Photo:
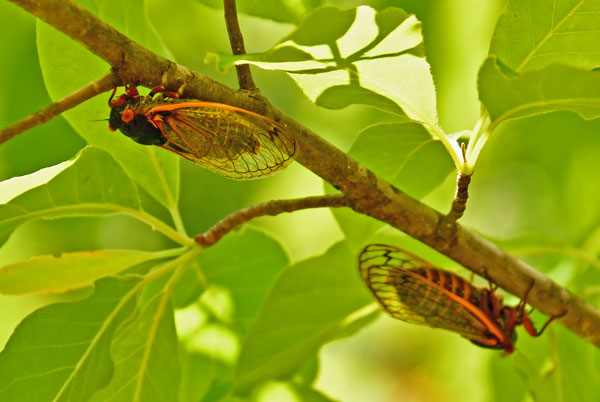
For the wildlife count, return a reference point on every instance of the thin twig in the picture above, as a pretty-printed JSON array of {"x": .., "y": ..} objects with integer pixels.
[
  {"x": 459, "y": 204},
  {"x": 271, "y": 208},
  {"x": 49, "y": 112},
  {"x": 368, "y": 194},
  {"x": 237, "y": 45}
]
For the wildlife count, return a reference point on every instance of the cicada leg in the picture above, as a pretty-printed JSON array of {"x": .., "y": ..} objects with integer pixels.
[
  {"x": 526, "y": 319},
  {"x": 130, "y": 93},
  {"x": 161, "y": 89},
  {"x": 495, "y": 302}
]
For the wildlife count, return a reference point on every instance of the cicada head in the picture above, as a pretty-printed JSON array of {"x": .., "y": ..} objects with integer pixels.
[{"x": 132, "y": 122}]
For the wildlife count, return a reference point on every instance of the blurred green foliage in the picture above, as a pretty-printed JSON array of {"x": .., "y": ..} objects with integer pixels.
[{"x": 253, "y": 312}]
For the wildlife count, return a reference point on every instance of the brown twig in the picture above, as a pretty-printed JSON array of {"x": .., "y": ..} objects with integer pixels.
[
  {"x": 459, "y": 204},
  {"x": 237, "y": 45},
  {"x": 368, "y": 194},
  {"x": 271, "y": 208},
  {"x": 49, "y": 112}
]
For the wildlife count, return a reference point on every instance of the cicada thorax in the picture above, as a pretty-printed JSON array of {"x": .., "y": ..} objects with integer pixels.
[
  {"x": 231, "y": 141},
  {"x": 413, "y": 290}
]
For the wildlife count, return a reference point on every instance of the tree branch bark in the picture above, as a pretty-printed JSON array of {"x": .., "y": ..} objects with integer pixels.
[
  {"x": 271, "y": 208},
  {"x": 459, "y": 204},
  {"x": 367, "y": 193},
  {"x": 104, "y": 84}
]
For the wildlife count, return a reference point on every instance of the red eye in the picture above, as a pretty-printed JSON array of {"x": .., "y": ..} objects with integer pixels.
[{"x": 127, "y": 115}]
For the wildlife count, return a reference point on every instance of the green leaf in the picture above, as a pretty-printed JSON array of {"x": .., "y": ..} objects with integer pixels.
[
  {"x": 156, "y": 170},
  {"x": 533, "y": 34},
  {"x": 375, "y": 58},
  {"x": 324, "y": 26},
  {"x": 540, "y": 180},
  {"x": 309, "y": 394},
  {"x": 60, "y": 352},
  {"x": 90, "y": 183},
  {"x": 544, "y": 251},
  {"x": 507, "y": 383},
  {"x": 146, "y": 357},
  {"x": 246, "y": 263},
  {"x": 189, "y": 288},
  {"x": 559, "y": 366},
  {"x": 197, "y": 373},
  {"x": 405, "y": 155},
  {"x": 577, "y": 361},
  {"x": 310, "y": 304},
  {"x": 555, "y": 87},
  {"x": 276, "y": 10},
  {"x": 58, "y": 273},
  {"x": 357, "y": 228}
]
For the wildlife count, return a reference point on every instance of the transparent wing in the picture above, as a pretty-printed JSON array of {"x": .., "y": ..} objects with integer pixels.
[
  {"x": 393, "y": 277},
  {"x": 230, "y": 141}
]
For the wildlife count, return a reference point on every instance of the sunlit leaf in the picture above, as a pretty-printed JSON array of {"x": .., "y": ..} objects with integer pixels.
[
  {"x": 60, "y": 352},
  {"x": 57, "y": 273},
  {"x": 146, "y": 357},
  {"x": 555, "y": 87},
  {"x": 276, "y": 10},
  {"x": 533, "y": 34},
  {"x": 405, "y": 155},
  {"x": 357, "y": 56},
  {"x": 91, "y": 183},
  {"x": 308, "y": 394}
]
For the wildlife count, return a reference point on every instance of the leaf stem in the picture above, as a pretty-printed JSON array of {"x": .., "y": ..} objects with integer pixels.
[
  {"x": 143, "y": 216},
  {"x": 162, "y": 308},
  {"x": 477, "y": 141},
  {"x": 451, "y": 146},
  {"x": 177, "y": 221},
  {"x": 160, "y": 226}
]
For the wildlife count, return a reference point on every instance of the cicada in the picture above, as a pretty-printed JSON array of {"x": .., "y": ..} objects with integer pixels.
[
  {"x": 233, "y": 142},
  {"x": 413, "y": 290}
]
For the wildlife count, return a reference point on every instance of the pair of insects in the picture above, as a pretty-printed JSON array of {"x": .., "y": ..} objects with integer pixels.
[
  {"x": 413, "y": 290},
  {"x": 240, "y": 144},
  {"x": 233, "y": 142}
]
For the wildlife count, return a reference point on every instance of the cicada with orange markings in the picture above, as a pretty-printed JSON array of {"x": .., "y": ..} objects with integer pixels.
[
  {"x": 413, "y": 290},
  {"x": 233, "y": 142}
]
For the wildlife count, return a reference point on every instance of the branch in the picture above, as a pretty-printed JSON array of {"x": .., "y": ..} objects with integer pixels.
[
  {"x": 237, "y": 45},
  {"x": 95, "y": 88},
  {"x": 271, "y": 208},
  {"x": 368, "y": 194}
]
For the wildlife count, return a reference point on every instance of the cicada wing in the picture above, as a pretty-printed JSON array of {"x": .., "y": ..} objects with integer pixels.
[
  {"x": 235, "y": 143},
  {"x": 392, "y": 276}
]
